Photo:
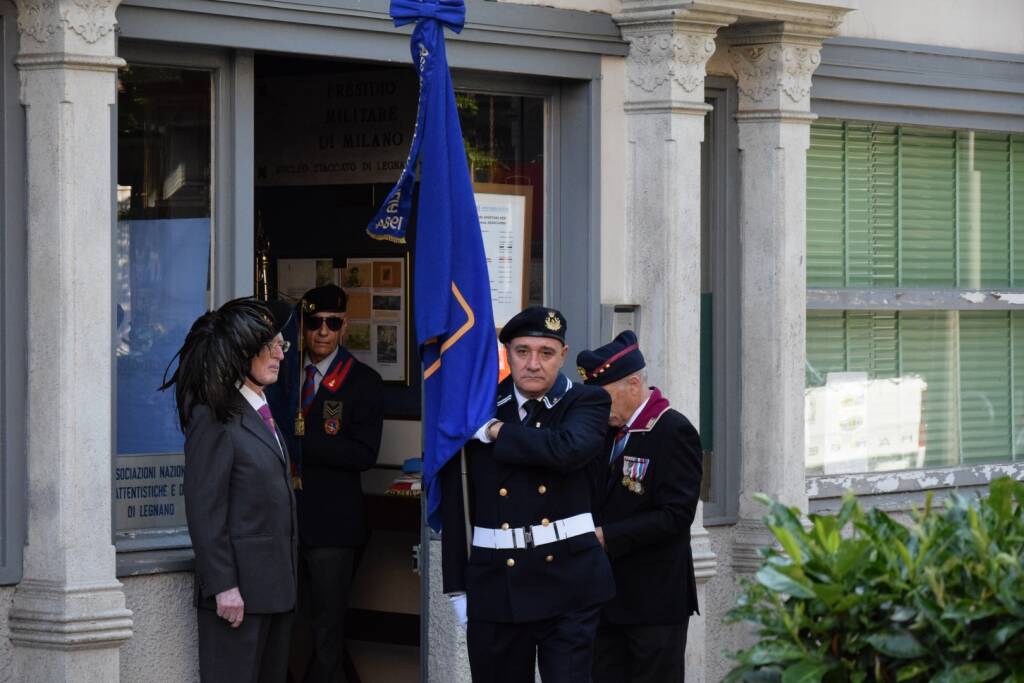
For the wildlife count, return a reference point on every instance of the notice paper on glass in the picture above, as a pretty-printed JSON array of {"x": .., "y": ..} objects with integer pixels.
[{"x": 504, "y": 212}]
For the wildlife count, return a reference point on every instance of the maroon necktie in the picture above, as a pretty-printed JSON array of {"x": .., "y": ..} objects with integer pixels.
[
  {"x": 619, "y": 444},
  {"x": 268, "y": 419}
]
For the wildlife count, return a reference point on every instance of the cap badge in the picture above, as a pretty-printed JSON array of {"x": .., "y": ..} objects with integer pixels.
[
  {"x": 583, "y": 373},
  {"x": 308, "y": 306},
  {"x": 552, "y": 322}
]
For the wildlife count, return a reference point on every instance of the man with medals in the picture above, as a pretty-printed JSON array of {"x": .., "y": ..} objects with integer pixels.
[
  {"x": 648, "y": 483},
  {"x": 331, "y": 409},
  {"x": 534, "y": 576}
]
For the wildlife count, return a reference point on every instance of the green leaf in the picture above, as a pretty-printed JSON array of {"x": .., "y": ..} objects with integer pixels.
[
  {"x": 899, "y": 644},
  {"x": 763, "y": 676},
  {"x": 1005, "y": 632},
  {"x": 789, "y": 543},
  {"x": 805, "y": 672},
  {"x": 772, "y": 578},
  {"x": 771, "y": 652},
  {"x": 912, "y": 671},
  {"x": 975, "y": 672}
]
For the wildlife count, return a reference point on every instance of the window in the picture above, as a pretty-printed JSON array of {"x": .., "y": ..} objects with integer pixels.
[
  {"x": 915, "y": 274},
  {"x": 161, "y": 280}
]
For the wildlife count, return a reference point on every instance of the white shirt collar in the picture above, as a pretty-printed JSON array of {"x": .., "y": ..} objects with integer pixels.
[
  {"x": 255, "y": 400},
  {"x": 324, "y": 363}
]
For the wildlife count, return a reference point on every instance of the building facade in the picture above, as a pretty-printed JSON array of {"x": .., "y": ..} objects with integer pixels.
[{"x": 810, "y": 212}]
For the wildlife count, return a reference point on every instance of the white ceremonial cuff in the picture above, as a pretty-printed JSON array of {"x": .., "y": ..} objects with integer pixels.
[{"x": 481, "y": 434}]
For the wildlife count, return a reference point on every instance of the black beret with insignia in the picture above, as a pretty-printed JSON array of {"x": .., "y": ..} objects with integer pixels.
[
  {"x": 619, "y": 358},
  {"x": 535, "y": 321},
  {"x": 324, "y": 299}
]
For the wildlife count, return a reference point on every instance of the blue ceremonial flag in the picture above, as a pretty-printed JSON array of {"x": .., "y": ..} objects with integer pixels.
[{"x": 452, "y": 293}]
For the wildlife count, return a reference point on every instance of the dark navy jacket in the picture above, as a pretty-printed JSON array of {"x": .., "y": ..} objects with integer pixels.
[
  {"x": 532, "y": 472},
  {"x": 332, "y": 456},
  {"x": 647, "y": 528}
]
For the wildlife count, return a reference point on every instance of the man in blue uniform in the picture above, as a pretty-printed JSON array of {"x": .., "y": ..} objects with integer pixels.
[
  {"x": 332, "y": 415},
  {"x": 649, "y": 483},
  {"x": 534, "y": 578}
]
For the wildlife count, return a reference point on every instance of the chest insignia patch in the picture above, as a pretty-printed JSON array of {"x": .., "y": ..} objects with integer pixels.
[
  {"x": 332, "y": 409},
  {"x": 332, "y": 425}
]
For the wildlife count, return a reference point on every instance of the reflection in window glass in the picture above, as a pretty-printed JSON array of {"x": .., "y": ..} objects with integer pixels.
[
  {"x": 504, "y": 137},
  {"x": 163, "y": 242},
  {"x": 927, "y": 209}
]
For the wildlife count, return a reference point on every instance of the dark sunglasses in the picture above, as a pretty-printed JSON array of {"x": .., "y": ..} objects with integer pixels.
[{"x": 313, "y": 323}]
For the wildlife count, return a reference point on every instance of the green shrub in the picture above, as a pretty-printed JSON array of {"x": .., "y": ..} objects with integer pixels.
[{"x": 940, "y": 600}]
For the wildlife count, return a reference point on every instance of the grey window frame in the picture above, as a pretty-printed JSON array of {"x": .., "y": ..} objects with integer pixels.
[
  {"x": 13, "y": 311},
  {"x": 920, "y": 85},
  {"x": 720, "y": 226},
  {"x": 146, "y": 551},
  {"x": 557, "y": 54}
]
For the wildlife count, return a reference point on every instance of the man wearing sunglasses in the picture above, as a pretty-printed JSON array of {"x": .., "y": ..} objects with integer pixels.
[{"x": 332, "y": 412}]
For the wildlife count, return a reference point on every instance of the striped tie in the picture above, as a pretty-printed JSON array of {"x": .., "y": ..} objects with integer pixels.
[
  {"x": 308, "y": 388},
  {"x": 620, "y": 443}
]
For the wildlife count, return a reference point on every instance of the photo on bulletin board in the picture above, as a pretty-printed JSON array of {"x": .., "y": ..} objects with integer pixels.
[
  {"x": 378, "y": 314},
  {"x": 505, "y": 213},
  {"x": 296, "y": 276}
]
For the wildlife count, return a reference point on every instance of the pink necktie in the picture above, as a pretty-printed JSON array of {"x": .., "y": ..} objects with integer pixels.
[{"x": 268, "y": 419}]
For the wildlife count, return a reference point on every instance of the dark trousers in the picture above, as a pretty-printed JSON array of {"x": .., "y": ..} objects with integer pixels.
[
  {"x": 562, "y": 646},
  {"x": 255, "y": 652},
  {"x": 639, "y": 653},
  {"x": 325, "y": 576}
]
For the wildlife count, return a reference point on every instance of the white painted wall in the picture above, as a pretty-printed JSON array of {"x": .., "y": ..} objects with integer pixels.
[
  {"x": 613, "y": 186},
  {"x": 993, "y": 25}
]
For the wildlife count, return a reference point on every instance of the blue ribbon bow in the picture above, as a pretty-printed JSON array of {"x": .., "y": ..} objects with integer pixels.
[{"x": 451, "y": 13}]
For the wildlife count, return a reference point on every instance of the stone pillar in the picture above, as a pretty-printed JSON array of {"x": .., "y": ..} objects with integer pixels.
[
  {"x": 665, "y": 111},
  {"x": 68, "y": 616},
  {"x": 773, "y": 65}
]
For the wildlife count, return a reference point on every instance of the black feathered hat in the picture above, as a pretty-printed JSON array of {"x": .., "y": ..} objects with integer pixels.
[{"x": 216, "y": 356}]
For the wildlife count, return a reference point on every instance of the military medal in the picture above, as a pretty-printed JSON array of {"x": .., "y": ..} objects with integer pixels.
[{"x": 633, "y": 470}]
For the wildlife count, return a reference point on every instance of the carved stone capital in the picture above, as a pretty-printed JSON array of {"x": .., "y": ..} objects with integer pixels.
[
  {"x": 668, "y": 52},
  {"x": 774, "y": 76},
  {"x": 81, "y": 26}
]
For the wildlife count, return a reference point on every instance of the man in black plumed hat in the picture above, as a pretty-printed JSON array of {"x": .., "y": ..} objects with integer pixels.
[
  {"x": 238, "y": 497},
  {"x": 648, "y": 481},
  {"x": 330, "y": 406},
  {"x": 534, "y": 578}
]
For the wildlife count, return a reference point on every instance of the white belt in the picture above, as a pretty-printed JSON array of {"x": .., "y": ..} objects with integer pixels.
[{"x": 536, "y": 534}]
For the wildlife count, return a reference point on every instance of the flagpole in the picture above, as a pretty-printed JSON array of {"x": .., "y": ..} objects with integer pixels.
[{"x": 465, "y": 501}]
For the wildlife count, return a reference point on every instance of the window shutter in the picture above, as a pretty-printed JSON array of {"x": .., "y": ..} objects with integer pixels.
[
  {"x": 825, "y": 206},
  {"x": 984, "y": 386},
  {"x": 983, "y": 179},
  {"x": 927, "y": 187}
]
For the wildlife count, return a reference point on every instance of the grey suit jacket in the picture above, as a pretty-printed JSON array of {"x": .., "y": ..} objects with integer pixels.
[{"x": 241, "y": 511}]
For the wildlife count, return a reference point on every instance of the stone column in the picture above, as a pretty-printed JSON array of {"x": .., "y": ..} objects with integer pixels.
[
  {"x": 68, "y": 616},
  {"x": 665, "y": 111},
  {"x": 773, "y": 65}
]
